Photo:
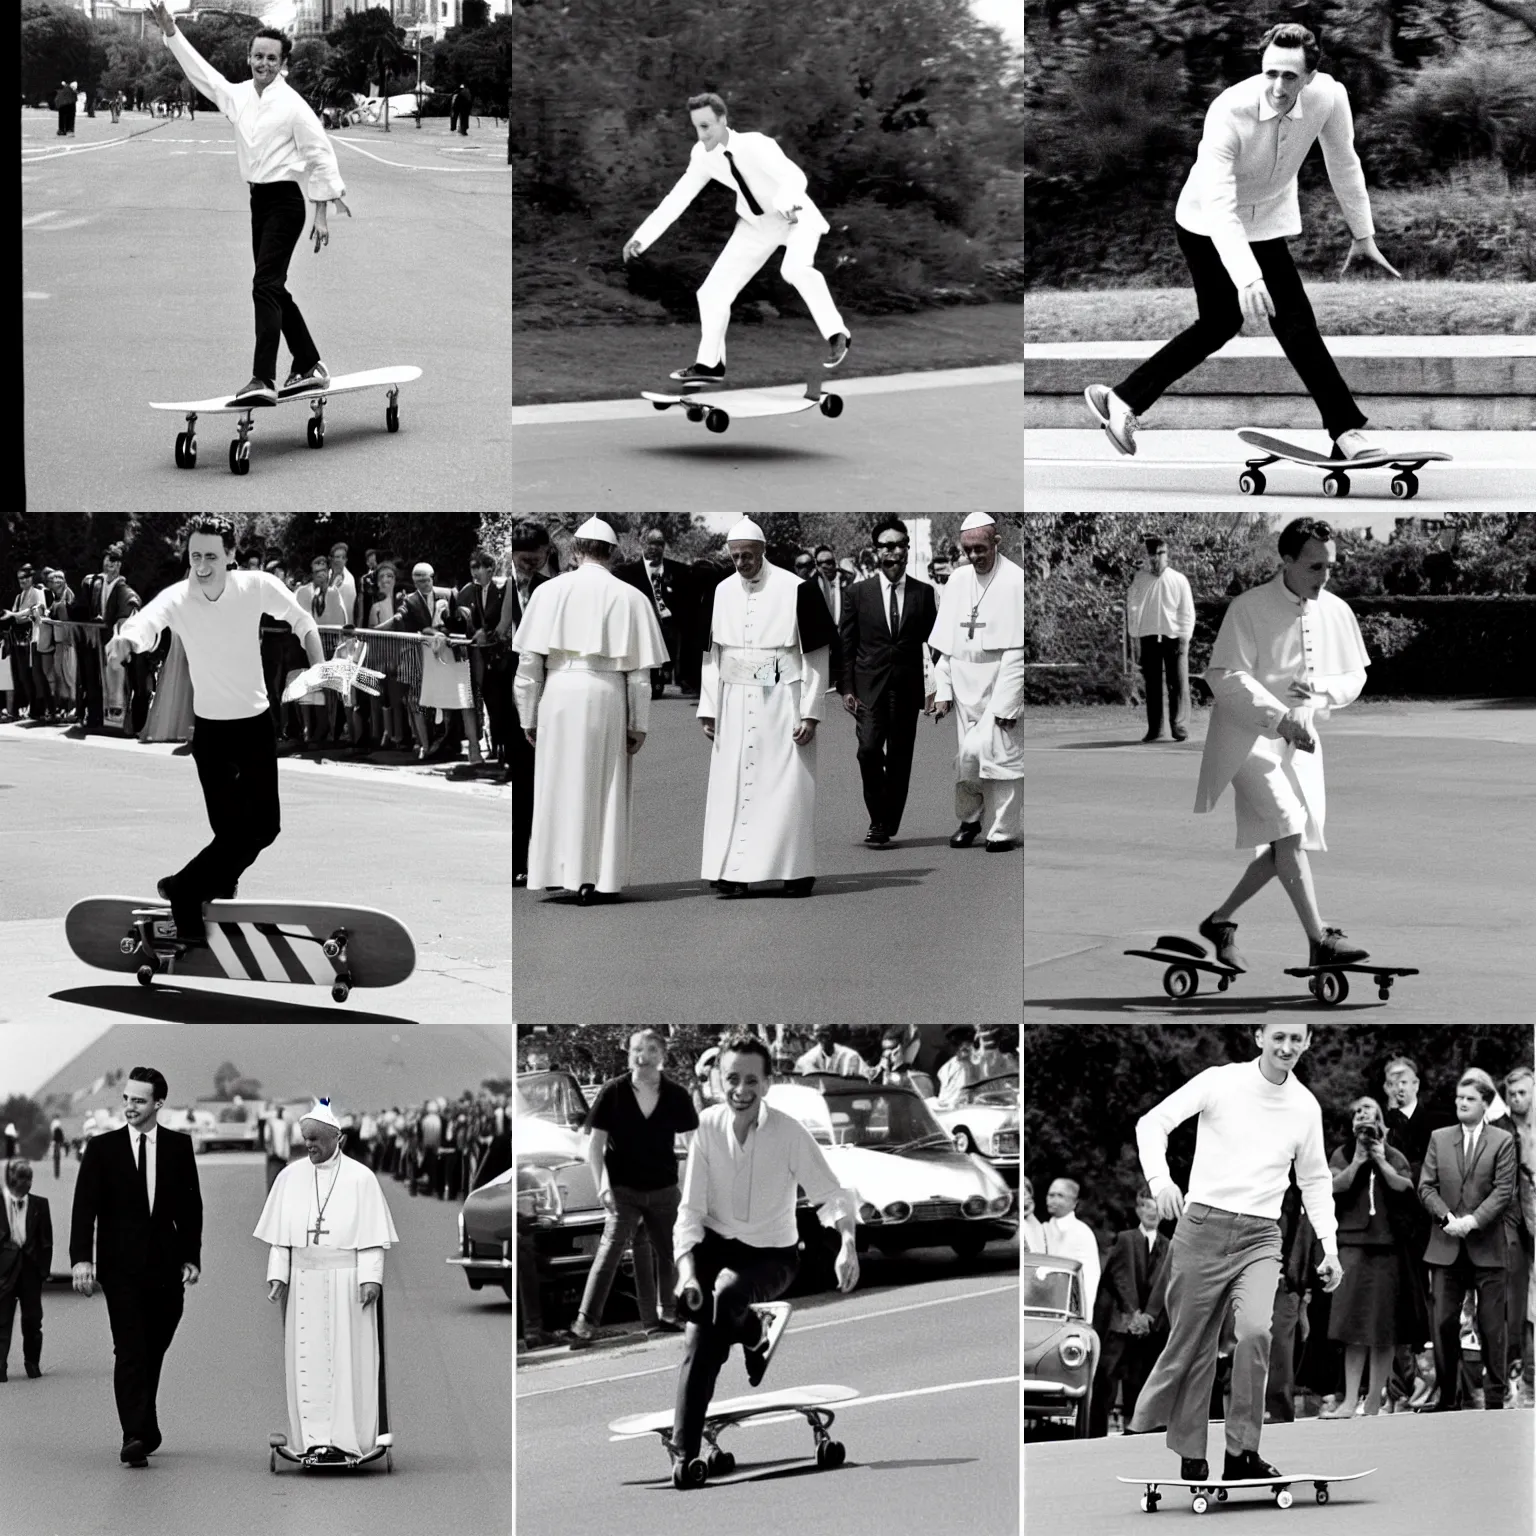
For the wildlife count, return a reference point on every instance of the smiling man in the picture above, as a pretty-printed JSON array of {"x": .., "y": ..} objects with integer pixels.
[
  {"x": 1256, "y": 1122},
  {"x": 1238, "y": 208},
  {"x": 1287, "y": 653}
]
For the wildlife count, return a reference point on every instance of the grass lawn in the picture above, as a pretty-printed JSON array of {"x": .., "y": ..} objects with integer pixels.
[
  {"x": 604, "y": 362},
  {"x": 1367, "y": 308}
]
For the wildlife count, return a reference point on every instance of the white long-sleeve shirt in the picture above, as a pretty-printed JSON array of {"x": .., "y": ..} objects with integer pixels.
[
  {"x": 222, "y": 638},
  {"x": 1160, "y": 605},
  {"x": 1251, "y": 1131},
  {"x": 277, "y": 135},
  {"x": 1073, "y": 1238}
]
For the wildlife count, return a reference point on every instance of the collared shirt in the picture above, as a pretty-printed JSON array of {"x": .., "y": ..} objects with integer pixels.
[
  {"x": 151, "y": 1156},
  {"x": 17, "y": 1210},
  {"x": 841, "y": 1059},
  {"x": 886, "y": 586},
  {"x": 1469, "y": 1135},
  {"x": 1160, "y": 605},
  {"x": 746, "y": 1190}
]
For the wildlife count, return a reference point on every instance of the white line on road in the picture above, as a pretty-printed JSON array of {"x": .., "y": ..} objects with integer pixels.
[
  {"x": 455, "y": 170},
  {"x": 1065, "y": 955}
]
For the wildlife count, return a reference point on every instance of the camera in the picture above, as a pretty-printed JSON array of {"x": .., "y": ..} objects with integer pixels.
[{"x": 1370, "y": 1132}]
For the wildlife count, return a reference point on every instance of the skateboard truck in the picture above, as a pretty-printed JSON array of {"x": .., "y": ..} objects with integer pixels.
[{"x": 153, "y": 937}]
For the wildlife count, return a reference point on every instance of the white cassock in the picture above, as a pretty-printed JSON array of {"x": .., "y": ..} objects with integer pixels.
[
  {"x": 758, "y": 683},
  {"x": 979, "y": 635},
  {"x": 330, "y": 1339},
  {"x": 1270, "y": 638},
  {"x": 586, "y": 647}
]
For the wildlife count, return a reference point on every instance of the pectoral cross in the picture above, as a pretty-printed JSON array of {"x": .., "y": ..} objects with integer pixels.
[
  {"x": 972, "y": 624},
  {"x": 317, "y": 1229}
]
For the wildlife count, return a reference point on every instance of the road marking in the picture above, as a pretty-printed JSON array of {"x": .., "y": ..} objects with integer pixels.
[
  {"x": 456, "y": 170},
  {"x": 1065, "y": 955}
]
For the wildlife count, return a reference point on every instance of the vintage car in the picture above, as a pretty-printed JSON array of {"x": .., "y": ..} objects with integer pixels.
[
  {"x": 984, "y": 1118},
  {"x": 1061, "y": 1349},
  {"x": 915, "y": 1190},
  {"x": 485, "y": 1234},
  {"x": 221, "y": 1127}
]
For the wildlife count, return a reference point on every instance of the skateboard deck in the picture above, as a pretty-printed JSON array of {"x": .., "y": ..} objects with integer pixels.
[
  {"x": 1330, "y": 986},
  {"x": 809, "y": 1402},
  {"x": 303, "y": 943},
  {"x": 717, "y": 408},
  {"x": 1185, "y": 958},
  {"x": 1405, "y": 484},
  {"x": 1217, "y": 1487},
  {"x": 240, "y": 447}
]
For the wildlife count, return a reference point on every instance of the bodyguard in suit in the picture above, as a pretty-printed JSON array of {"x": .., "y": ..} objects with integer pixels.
[
  {"x": 530, "y": 551},
  {"x": 1467, "y": 1185},
  {"x": 106, "y": 599},
  {"x": 670, "y": 586},
  {"x": 1135, "y": 1329},
  {"x": 26, "y": 1256},
  {"x": 481, "y": 604},
  {"x": 884, "y": 674},
  {"x": 138, "y": 1195}
]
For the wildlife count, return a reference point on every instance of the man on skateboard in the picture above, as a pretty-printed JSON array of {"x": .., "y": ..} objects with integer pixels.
[
  {"x": 1256, "y": 1121},
  {"x": 1233, "y": 217},
  {"x": 735, "y": 1240},
  {"x": 217, "y": 614},
  {"x": 277, "y": 139},
  {"x": 773, "y": 208}
]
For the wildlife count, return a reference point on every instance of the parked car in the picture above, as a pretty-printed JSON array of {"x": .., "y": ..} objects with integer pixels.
[
  {"x": 220, "y": 1126},
  {"x": 485, "y": 1235},
  {"x": 915, "y": 1190},
  {"x": 1061, "y": 1349},
  {"x": 984, "y": 1118}
]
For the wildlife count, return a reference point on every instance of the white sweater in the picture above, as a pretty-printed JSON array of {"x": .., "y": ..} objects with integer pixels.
[
  {"x": 1250, "y": 1132},
  {"x": 222, "y": 639}
]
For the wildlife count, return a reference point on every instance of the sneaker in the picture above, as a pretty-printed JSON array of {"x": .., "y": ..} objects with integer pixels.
[
  {"x": 697, "y": 375},
  {"x": 1194, "y": 1469},
  {"x": 1246, "y": 1464},
  {"x": 1114, "y": 415},
  {"x": 1334, "y": 947},
  {"x": 1223, "y": 938},
  {"x": 774, "y": 1316},
  {"x": 837, "y": 349},
  {"x": 1353, "y": 445},
  {"x": 312, "y": 381},
  {"x": 257, "y": 392}
]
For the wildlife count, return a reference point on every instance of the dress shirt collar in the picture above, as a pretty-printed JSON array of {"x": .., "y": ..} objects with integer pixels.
[
  {"x": 887, "y": 583},
  {"x": 135, "y": 1131},
  {"x": 1266, "y": 111},
  {"x": 1289, "y": 596}
]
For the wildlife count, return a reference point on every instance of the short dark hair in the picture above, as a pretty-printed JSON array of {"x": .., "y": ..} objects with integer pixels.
[
  {"x": 156, "y": 1080},
  {"x": 886, "y": 525},
  {"x": 530, "y": 536},
  {"x": 222, "y": 528},
  {"x": 746, "y": 1045},
  {"x": 323, "y": 558},
  {"x": 815, "y": 553},
  {"x": 111, "y": 552},
  {"x": 1299, "y": 530},
  {"x": 282, "y": 37},
  {"x": 1291, "y": 34},
  {"x": 1155, "y": 543},
  {"x": 707, "y": 99},
  {"x": 341, "y": 546},
  {"x": 480, "y": 555}
]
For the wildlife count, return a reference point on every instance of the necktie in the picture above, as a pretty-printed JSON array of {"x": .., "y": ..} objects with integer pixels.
[
  {"x": 746, "y": 191},
  {"x": 895, "y": 620},
  {"x": 143, "y": 1171}
]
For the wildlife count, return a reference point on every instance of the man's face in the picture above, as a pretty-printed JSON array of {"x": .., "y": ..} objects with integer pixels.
[
  {"x": 1470, "y": 1108},
  {"x": 1308, "y": 573},
  {"x": 645, "y": 1054},
  {"x": 339, "y": 559},
  {"x": 708, "y": 129},
  {"x": 320, "y": 1141},
  {"x": 891, "y": 551},
  {"x": 1146, "y": 1213},
  {"x": 1282, "y": 1046},
  {"x": 826, "y": 565},
  {"x": 18, "y": 1174},
  {"x": 824, "y": 1036},
  {"x": 1059, "y": 1199},
  {"x": 1518, "y": 1096},
  {"x": 320, "y": 573},
  {"x": 1402, "y": 1086},
  {"x": 979, "y": 546},
  {"x": 205, "y": 551},
  {"x": 804, "y": 567},
  {"x": 746, "y": 555},
  {"x": 23, "y": 579},
  {"x": 139, "y": 1108},
  {"x": 480, "y": 573},
  {"x": 745, "y": 1080},
  {"x": 56, "y": 583},
  {"x": 1285, "y": 76},
  {"x": 530, "y": 561},
  {"x": 1157, "y": 563},
  {"x": 266, "y": 59},
  {"x": 655, "y": 546},
  {"x": 423, "y": 582}
]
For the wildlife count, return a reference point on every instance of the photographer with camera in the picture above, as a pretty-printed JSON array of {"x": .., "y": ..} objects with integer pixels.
[{"x": 1371, "y": 1313}]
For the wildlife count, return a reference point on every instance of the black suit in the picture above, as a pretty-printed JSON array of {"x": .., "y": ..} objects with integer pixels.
[
  {"x": 22, "y": 1273},
  {"x": 681, "y": 631},
  {"x": 492, "y": 668},
  {"x": 522, "y": 753},
  {"x": 885, "y": 673},
  {"x": 139, "y": 1256}
]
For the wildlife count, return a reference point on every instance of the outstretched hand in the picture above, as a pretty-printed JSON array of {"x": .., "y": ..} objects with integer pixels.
[
  {"x": 1367, "y": 248},
  {"x": 162, "y": 17}
]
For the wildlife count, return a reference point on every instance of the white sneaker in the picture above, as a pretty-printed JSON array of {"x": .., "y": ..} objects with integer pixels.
[
  {"x": 1353, "y": 444},
  {"x": 1114, "y": 415}
]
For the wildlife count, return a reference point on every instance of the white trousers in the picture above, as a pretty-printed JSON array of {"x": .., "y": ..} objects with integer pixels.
[
  {"x": 748, "y": 248},
  {"x": 998, "y": 804}
]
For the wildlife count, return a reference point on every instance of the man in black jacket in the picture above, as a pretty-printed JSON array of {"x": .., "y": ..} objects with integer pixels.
[
  {"x": 26, "y": 1256},
  {"x": 138, "y": 1194},
  {"x": 884, "y": 668},
  {"x": 670, "y": 588},
  {"x": 530, "y": 553}
]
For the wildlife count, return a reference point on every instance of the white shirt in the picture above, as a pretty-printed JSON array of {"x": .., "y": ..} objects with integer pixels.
[
  {"x": 151, "y": 1156},
  {"x": 1469, "y": 1135},
  {"x": 1160, "y": 605},
  {"x": 1074, "y": 1239},
  {"x": 747, "y": 1190},
  {"x": 885, "y": 599},
  {"x": 842, "y": 1059},
  {"x": 222, "y": 638},
  {"x": 17, "y": 1210},
  {"x": 1242, "y": 186},
  {"x": 277, "y": 136}
]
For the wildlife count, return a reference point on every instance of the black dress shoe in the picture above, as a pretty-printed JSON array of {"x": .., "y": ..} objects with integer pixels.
[
  {"x": 730, "y": 890},
  {"x": 1194, "y": 1469},
  {"x": 1439, "y": 1408},
  {"x": 586, "y": 894},
  {"x": 520, "y": 877},
  {"x": 877, "y": 835},
  {"x": 34, "y": 1372},
  {"x": 152, "y": 1443},
  {"x": 134, "y": 1452},
  {"x": 1151, "y": 738},
  {"x": 1002, "y": 845},
  {"x": 800, "y": 887},
  {"x": 966, "y": 834}
]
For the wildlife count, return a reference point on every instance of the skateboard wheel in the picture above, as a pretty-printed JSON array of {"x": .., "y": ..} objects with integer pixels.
[
  {"x": 689, "y": 1474},
  {"x": 717, "y": 420},
  {"x": 1221, "y": 1495},
  {"x": 831, "y": 405},
  {"x": 1223, "y": 983},
  {"x": 1322, "y": 1495},
  {"x": 389, "y": 1461},
  {"x": 146, "y": 974},
  {"x": 1283, "y": 1499},
  {"x": 186, "y": 451},
  {"x": 392, "y": 417},
  {"x": 1201, "y": 1504},
  {"x": 1252, "y": 482},
  {"x": 1180, "y": 981},
  {"x": 695, "y": 412},
  {"x": 658, "y": 405},
  {"x": 339, "y": 992},
  {"x": 1405, "y": 486},
  {"x": 239, "y": 458},
  {"x": 1335, "y": 485},
  {"x": 271, "y": 1461},
  {"x": 720, "y": 1462},
  {"x": 1148, "y": 1504},
  {"x": 316, "y": 433},
  {"x": 1332, "y": 988}
]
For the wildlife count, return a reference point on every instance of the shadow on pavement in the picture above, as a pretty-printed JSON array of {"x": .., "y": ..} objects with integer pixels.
[{"x": 176, "y": 1005}]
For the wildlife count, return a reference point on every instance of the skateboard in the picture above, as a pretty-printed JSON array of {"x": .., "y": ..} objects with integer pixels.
[
  {"x": 1184, "y": 958},
  {"x": 1330, "y": 986},
  {"x": 809, "y": 1402},
  {"x": 1217, "y": 1487},
  {"x": 240, "y": 447},
  {"x": 715, "y": 409},
  {"x": 306, "y": 943},
  {"x": 383, "y": 1441},
  {"x": 1405, "y": 484}
]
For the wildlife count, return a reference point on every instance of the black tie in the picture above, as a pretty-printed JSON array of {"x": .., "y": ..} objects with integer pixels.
[
  {"x": 746, "y": 191},
  {"x": 895, "y": 621},
  {"x": 143, "y": 1172}
]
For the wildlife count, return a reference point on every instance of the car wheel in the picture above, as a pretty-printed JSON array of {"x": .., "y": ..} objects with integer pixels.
[
  {"x": 971, "y": 1247},
  {"x": 963, "y": 1141}
]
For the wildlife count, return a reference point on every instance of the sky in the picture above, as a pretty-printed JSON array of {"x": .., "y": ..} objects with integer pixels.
[
  {"x": 31, "y": 1053},
  {"x": 1006, "y": 14}
]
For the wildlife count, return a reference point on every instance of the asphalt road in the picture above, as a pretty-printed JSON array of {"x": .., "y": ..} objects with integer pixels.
[
  {"x": 916, "y": 932},
  {"x": 222, "y": 1394},
  {"x": 136, "y": 251},
  {"x": 932, "y": 1441},
  {"x": 103, "y": 816}
]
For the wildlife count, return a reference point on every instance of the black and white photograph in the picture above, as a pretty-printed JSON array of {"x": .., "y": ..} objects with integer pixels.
[
  {"x": 1280, "y": 251},
  {"x": 256, "y": 770},
  {"x": 794, "y": 743},
  {"x": 289, "y": 224},
  {"x": 1240, "y": 1239},
  {"x": 256, "y": 1268}
]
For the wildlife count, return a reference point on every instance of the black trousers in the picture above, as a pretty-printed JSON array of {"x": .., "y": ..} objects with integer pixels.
[
  {"x": 237, "y": 766},
  {"x": 26, "y": 1287},
  {"x": 732, "y": 1276},
  {"x": 522, "y": 793},
  {"x": 277, "y": 222},
  {"x": 496, "y": 694},
  {"x": 1451, "y": 1284},
  {"x": 1221, "y": 318},
  {"x": 1165, "y": 666},
  {"x": 143, "y": 1316},
  {"x": 887, "y": 729}
]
